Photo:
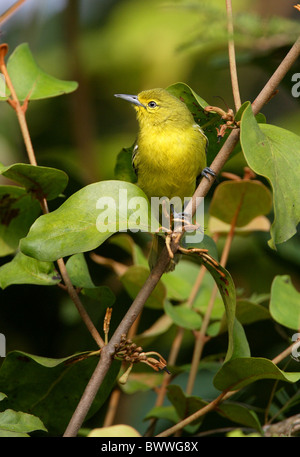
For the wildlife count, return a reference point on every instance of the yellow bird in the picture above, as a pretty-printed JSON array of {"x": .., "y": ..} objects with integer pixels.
[{"x": 170, "y": 151}]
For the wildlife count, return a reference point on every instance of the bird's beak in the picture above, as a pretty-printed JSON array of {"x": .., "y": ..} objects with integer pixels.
[{"x": 130, "y": 98}]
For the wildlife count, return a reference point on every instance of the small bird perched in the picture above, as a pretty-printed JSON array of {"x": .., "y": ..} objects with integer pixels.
[{"x": 170, "y": 151}]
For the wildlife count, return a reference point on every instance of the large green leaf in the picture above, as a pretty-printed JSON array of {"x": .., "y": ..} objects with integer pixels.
[
  {"x": 273, "y": 152},
  {"x": 248, "y": 199},
  {"x": 50, "y": 388},
  {"x": 240, "y": 372},
  {"x": 87, "y": 219},
  {"x": 18, "y": 210},
  {"x": 26, "y": 270},
  {"x": 29, "y": 81},
  {"x": 285, "y": 302},
  {"x": 42, "y": 182}
]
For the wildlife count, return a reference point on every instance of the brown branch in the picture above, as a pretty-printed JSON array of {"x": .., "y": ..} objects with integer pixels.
[
  {"x": 231, "y": 54},
  {"x": 12, "y": 9},
  {"x": 137, "y": 305}
]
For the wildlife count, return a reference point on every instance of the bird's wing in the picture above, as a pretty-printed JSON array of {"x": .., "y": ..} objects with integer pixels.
[{"x": 134, "y": 153}]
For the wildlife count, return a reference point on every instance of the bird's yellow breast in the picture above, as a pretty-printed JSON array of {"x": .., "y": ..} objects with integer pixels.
[{"x": 168, "y": 160}]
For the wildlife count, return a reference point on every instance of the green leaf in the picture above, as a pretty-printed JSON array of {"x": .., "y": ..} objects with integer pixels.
[
  {"x": 248, "y": 312},
  {"x": 249, "y": 198},
  {"x": 42, "y": 182},
  {"x": 180, "y": 281},
  {"x": 78, "y": 271},
  {"x": 285, "y": 302},
  {"x": 80, "y": 277},
  {"x": 29, "y": 81},
  {"x": 240, "y": 414},
  {"x": 273, "y": 152},
  {"x": 51, "y": 388},
  {"x": 240, "y": 343},
  {"x": 227, "y": 290},
  {"x": 185, "y": 405},
  {"x": 14, "y": 423},
  {"x": 18, "y": 210},
  {"x": 126, "y": 243},
  {"x": 26, "y": 270},
  {"x": 124, "y": 170},
  {"x": 163, "y": 412},
  {"x": 183, "y": 316},
  {"x": 207, "y": 121},
  {"x": 133, "y": 280},
  {"x": 84, "y": 221},
  {"x": 240, "y": 372}
]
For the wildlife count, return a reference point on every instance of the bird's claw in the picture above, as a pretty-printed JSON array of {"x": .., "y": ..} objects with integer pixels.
[{"x": 208, "y": 171}]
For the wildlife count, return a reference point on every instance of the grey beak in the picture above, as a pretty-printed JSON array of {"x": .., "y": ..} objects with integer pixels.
[{"x": 130, "y": 98}]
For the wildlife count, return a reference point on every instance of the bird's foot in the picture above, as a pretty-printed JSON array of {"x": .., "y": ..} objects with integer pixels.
[
  {"x": 185, "y": 222},
  {"x": 208, "y": 171}
]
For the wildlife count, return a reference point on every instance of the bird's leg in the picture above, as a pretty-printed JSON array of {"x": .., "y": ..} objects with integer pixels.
[{"x": 183, "y": 221}]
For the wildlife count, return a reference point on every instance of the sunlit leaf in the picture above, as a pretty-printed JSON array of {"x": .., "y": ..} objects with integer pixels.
[
  {"x": 86, "y": 219},
  {"x": 285, "y": 302},
  {"x": 273, "y": 152},
  {"x": 247, "y": 199},
  {"x": 29, "y": 81},
  {"x": 26, "y": 270}
]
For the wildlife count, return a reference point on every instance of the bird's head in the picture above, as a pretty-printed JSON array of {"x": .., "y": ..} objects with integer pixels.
[{"x": 157, "y": 106}]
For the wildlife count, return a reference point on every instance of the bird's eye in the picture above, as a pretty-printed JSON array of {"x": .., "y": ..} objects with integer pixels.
[{"x": 152, "y": 104}]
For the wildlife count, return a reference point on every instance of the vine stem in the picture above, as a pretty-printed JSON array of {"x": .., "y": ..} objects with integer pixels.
[{"x": 20, "y": 112}]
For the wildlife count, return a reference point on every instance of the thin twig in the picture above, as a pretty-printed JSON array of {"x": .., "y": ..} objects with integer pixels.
[
  {"x": 12, "y": 9},
  {"x": 137, "y": 305},
  {"x": 209, "y": 407},
  {"x": 232, "y": 61}
]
